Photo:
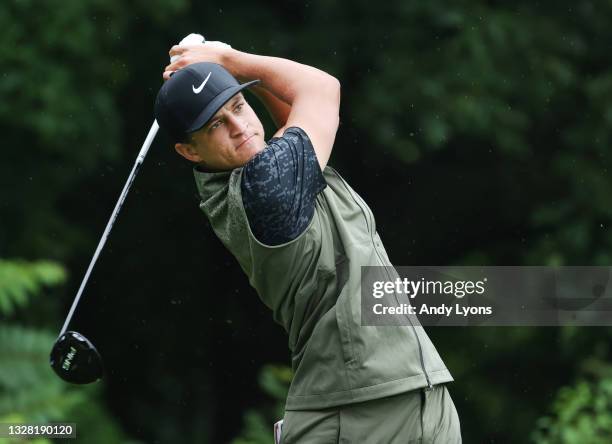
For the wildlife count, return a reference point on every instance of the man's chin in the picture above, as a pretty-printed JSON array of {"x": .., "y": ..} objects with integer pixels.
[
  {"x": 246, "y": 155},
  {"x": 251, "y": 149}
]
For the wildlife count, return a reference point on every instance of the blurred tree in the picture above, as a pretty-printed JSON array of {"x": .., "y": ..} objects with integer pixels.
[
  {"x": 581, "y": 413},
  {"x": 19, "y": 280},
  {"x": 489, "y": 122},
  {"x": 63, "y": 65},
  {"x": 29, "y": 389},
  {"x": 258, "y": 424}
]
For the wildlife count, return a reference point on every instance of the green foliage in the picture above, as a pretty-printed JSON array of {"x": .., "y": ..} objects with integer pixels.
[
  {"x": 19, "y": 419},
  {"x": 274, "y": 381},
  {"x": 514, "y": 97},
  {"x": 60, "y": 118},
  {"x": 258, "y": 426},
  {"x": 581, "y": 413},
  {"x": 20, "y": 279},
  {"x": 29, "y": 390},
  {"x": 63, "y": 66},
  {"x": 26, "y": 380}
]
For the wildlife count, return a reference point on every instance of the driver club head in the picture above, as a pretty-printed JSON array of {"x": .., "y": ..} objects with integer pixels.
[{"x": 75, "y": 359}]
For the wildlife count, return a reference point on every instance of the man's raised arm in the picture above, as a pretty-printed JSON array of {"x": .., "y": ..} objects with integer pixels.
[{"x": 314, "y": 96}]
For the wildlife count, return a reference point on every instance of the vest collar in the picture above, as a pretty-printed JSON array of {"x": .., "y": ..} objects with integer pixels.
[{"x": 209, "y": 183}]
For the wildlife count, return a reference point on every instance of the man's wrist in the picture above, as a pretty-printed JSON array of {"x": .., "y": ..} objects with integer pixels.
[
  {"x": 235, "y": 62},
  {"x": 226, "y": 58}
]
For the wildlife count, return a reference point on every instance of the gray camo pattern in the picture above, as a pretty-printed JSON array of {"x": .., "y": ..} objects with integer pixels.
[{"x": 279, "y": 188}]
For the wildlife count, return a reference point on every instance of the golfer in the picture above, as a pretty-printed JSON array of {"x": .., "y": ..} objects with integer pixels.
[{"x": 301, "y": 234}]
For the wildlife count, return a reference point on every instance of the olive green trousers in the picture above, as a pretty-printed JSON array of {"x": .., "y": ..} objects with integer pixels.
[{"x": 420, "y": 416}]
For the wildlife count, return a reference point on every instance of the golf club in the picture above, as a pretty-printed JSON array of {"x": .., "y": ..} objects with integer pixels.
[{"x": 73, "y": 357}]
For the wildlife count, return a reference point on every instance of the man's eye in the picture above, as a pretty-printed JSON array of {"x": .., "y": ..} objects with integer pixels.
[
  {"x": 239, "y": 107},
  {"x": 215, "y": 125}
]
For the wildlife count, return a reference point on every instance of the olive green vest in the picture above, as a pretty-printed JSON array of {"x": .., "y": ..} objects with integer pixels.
[{"x": 312, "y": 286}]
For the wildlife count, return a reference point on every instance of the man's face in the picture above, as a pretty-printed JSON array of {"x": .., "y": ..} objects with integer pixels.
[{"x": 229, "y": 139}]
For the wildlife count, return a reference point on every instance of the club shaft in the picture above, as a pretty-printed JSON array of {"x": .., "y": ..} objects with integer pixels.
[{"x": 109, "y": 226}]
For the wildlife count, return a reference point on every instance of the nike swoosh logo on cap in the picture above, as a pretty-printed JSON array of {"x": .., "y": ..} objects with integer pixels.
[{"x": 201, "y": 87}]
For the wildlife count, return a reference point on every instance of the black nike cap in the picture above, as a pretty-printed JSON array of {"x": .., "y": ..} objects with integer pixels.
[{"x": 192, "y": 96}]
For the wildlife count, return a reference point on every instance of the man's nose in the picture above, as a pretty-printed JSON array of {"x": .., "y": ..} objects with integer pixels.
[{"x": 237, "y": 125}]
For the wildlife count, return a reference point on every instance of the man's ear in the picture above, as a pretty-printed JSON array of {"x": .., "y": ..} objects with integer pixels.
[{"x": 188, "y": 151}]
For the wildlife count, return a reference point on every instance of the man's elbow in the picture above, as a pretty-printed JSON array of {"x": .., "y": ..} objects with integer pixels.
[
  {"x": 326, "y": 85},
  {"x": 334, "y": 88},
  {"x": 337, "y": 89},
  {"x": 332, "y": 94}
]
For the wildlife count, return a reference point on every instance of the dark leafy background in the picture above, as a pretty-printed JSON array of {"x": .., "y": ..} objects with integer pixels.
[{"x": 479, "y": 133}]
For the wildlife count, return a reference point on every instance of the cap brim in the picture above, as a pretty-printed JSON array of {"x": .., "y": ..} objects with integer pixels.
[{"x": 216, "y": 104}]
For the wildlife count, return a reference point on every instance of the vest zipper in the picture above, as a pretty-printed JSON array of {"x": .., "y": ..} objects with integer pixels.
[{"x": 365, "y": 216}]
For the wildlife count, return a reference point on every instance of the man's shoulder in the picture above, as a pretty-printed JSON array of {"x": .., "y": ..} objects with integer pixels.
[{"x": 279, "y": 187}]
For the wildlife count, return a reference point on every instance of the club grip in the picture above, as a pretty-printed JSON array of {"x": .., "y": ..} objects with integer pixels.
[{"x": 191, "y": 39}]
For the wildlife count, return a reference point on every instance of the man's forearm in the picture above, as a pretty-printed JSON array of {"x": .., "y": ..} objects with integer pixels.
[
  {"x": 312, "y": 95},
  {"x": 279, "y": 110},
  {"x": 284, "y": 78}
]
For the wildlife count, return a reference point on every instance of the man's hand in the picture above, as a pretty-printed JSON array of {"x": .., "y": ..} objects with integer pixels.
[
  {"x": 313, "y": 96},
  {"x": 186, "y": 55}
]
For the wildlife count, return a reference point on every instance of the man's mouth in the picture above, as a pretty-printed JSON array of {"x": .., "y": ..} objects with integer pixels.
[{"x": 245, "y": 140}]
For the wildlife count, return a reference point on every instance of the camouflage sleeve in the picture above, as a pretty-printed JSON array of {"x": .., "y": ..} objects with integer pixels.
[{"x": 279, "y": 187}]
